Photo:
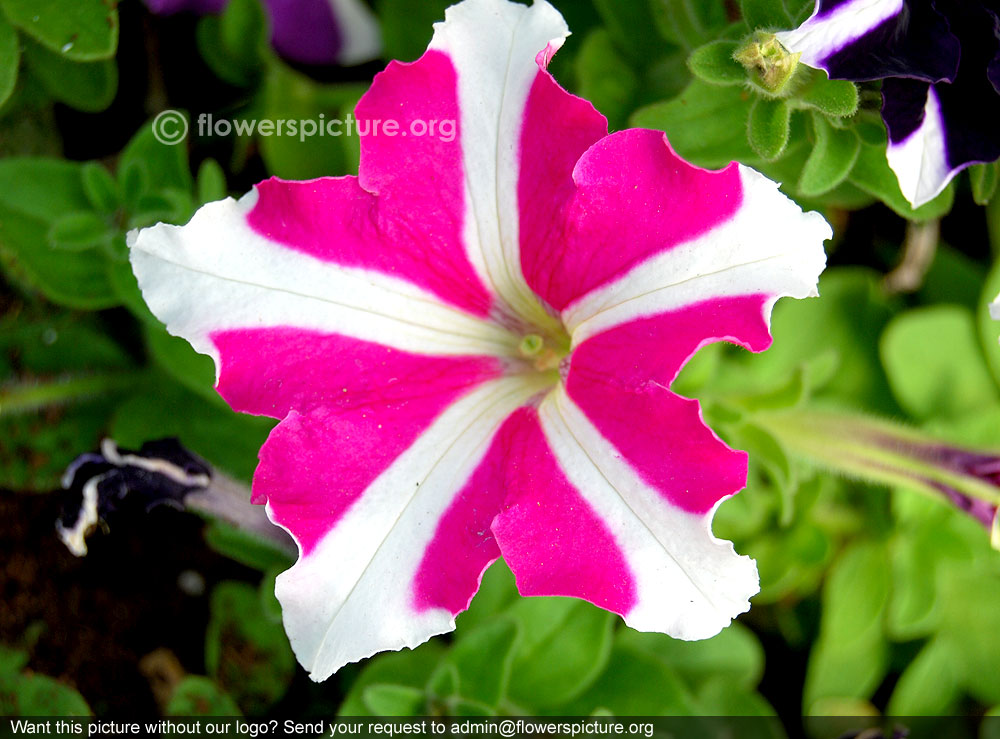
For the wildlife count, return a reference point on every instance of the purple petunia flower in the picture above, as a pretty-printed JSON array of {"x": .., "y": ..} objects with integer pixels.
[
  {"x": 305, "y": 31},
  {"x": 940, "y": 62},
  {"x": 470, "y": 347}
]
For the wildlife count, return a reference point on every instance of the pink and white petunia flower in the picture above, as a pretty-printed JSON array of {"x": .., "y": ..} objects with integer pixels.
[{"x": 470, "y": 347}]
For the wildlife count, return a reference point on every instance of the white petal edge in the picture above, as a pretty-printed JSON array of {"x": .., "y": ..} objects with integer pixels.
[
  {"x": 217, "y": 273},
  {"x": 351, "y": 597},
  {"x": 689, "y": 583},
  {"x": 492, "y": 45},
  {"x": 920, "y": 160},
  {"x": 769, "y": 246},
  {"x": 819, "y": 37}
]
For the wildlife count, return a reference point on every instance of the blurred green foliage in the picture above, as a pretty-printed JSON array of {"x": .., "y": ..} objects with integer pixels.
[{"x": 871, "y": 600}]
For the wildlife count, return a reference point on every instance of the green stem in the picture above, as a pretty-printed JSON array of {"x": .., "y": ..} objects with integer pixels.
[
  {"x": 31, "y": 396},
  {"x": 879, "y": 451}
]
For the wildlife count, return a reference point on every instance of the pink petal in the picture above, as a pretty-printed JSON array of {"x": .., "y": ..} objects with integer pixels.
[
  {"x": 581, "y": 521},
  {"x": 554, "y": 540},
  {"x": 405, "y": 212},
  {"x": 620, "y": 380},
  {"x": 630, "y": 198}
]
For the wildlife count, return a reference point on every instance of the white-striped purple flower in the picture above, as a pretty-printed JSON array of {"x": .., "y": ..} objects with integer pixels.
[
  {"x": 304, "y": 31},
  {"x": 940, "y": 62},
  {"x": 470, "y": 347}
]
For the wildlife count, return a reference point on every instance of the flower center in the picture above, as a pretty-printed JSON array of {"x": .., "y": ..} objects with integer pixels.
[{"x": 544, "y": 353}]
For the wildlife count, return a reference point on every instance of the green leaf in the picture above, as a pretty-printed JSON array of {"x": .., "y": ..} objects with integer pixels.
[
  {"x": 10, "y": 56},
  {"x": 934, "y": 362},
  {"x": 872, "y": 174},
  {"x": 930, "y": 684},
  {"x": 833, "y": 155},
  {"x": 564, "y": 647},
  {"x": 984, "y": 179},
  {"x": 768, "y": 127},
  {"x": 406, "y": 26},
  {"x": 714, "y": 63},
  {"x": 291, "y": 95},
  {"x": 767, "y": 14},
  {"x": 100, "y": 188},
  {"x": 496, "y": 591},
  {"x": 34, "y": 192},
  {"x": 705, "y": 124},
  {"x": 145, "y": 161},
  {"x": 394, "y": 700},
  {"x": 226, "y": 439},
  {"x": 83, "y": 30},
  {"x": 245, "y": 548},
  {"x": 733, "y": 656},
  {"x": 12, "y": 661},
  {"x": 989, "y": 328},
  {"x": 850, "y": 657},
  {"x": 79, "y": 230},
  {"x": 199, "y": 696},
  {"x": 482, "y": 662},
  {"x": 970, "y": 599},
  {"x": 634, "y": 684},
  {"x": 67, "y": 356},
  {"x": 38, "y": 695},
  {"x": 245, "y": 652},
  {"x": 621, "y": 18},
  {"x": 718, "y": 697},
  {"x": 412, "y": 668},
  {"x": 852, "y": 309},
  {"x": 87, "y": 86},
  {"x": 604, "y": 78},
  {"x": 687, "y": 23},
  {"x": 234, "y": 44},
  {"x": 176, "y": 356},
  {"x": 953, "y": 277},
  {"x": 211, "y": 182},
  {"x": 837, "y": 98}
]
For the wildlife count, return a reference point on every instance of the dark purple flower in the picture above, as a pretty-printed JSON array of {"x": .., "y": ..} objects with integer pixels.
[
  {"x": 940, "y": 62},
  {"x": 304, "y": 31}
]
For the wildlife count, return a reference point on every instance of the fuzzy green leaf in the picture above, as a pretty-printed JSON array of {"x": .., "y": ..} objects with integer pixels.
[
  {"x": 838, "y": 98},
  {"x": 768, "y": 127},
  {"x": 834, "y": 153},
  {"x": 714, "y": 63},
  {"x": 706, "y": 124}
]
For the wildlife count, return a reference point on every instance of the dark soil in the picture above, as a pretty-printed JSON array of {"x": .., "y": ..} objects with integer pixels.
[{"x": 89, "y": 621}]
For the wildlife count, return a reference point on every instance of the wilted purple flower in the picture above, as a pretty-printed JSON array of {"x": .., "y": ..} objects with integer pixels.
[
  {"x": 940, "y": 62},
  {"x": 305, "y": 31}
]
